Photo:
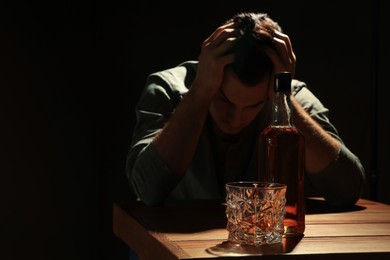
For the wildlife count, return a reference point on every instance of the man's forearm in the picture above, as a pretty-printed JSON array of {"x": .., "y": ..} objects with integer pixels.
[
  {"x": 321, "y": 147},
  {"x": 177, "y": 141}
]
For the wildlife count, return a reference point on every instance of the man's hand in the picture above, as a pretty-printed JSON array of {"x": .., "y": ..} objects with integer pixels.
[
  {"x": 212, "y": 59},
  {"x": 285, "y": 60},
  {"x": 283, "y": 57}
]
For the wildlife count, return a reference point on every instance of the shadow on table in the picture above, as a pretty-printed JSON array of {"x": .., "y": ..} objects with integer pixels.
[
  {"x": 182, "y": 218},
  {"x": 227, "y": 248},
  {"x": 320, "y": 206}
]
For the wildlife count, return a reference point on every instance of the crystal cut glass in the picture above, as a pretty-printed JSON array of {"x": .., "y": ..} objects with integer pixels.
[{"x": 255, "y": 212}]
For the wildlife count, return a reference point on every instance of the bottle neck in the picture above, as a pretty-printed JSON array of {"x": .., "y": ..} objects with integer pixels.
[{"x": 282, "y": 114}]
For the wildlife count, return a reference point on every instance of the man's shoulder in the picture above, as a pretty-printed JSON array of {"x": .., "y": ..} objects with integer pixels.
[
  {"x": 181, "y": 70},
  {"x": 307, "y": 98},
  {"x": 178, "y": 78},
  {"x": 297, "y": 86}
]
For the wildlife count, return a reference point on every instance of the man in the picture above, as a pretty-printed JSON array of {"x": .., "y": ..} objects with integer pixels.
[{"x": 198, "y": 123}]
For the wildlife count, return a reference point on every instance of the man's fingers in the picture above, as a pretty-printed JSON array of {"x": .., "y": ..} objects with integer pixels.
[
  {"x": 286, "y": 56},
  {"x": 288, "y": 45},
  {"x": 217, "y": 32}
]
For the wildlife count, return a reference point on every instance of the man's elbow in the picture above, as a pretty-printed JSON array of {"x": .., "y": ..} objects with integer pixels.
[{"x": 347, "y": 195}]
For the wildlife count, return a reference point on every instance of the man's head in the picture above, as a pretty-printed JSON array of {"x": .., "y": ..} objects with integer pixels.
[
  {"x": 244, "y": 89},
  {"x": 255, "y": 31}
]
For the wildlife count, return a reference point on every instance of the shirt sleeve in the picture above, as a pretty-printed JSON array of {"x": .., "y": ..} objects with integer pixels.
[
  {"x": 148, "y": 176},
  {"x": 341, "y": 183}
]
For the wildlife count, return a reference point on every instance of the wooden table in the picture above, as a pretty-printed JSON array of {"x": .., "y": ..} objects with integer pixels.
[{"x": 197, "y": 231}]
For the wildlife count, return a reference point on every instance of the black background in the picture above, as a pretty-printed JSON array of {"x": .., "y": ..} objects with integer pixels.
[{"x": 71, "y": 72}]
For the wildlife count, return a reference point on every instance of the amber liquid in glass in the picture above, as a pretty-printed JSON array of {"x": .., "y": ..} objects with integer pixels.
[{"x": 282, "y": 159}]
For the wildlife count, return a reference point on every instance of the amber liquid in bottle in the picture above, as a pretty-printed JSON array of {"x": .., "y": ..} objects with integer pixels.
[
  {"x": 282, "y": 155},
  {"x": 281, "y": 158}
]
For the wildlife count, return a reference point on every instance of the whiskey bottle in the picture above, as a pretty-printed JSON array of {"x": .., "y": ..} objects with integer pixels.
[{"x": 282, "y": 155}]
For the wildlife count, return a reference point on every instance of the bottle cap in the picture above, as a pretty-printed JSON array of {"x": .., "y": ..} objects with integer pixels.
[{"x": 282, "y": 81}]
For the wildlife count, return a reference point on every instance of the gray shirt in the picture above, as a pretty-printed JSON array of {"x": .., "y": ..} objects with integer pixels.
[{"x": 216, "y": 161}]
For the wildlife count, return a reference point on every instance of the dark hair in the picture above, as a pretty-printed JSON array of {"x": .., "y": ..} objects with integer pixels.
[{"x": 251, "y": 64}]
